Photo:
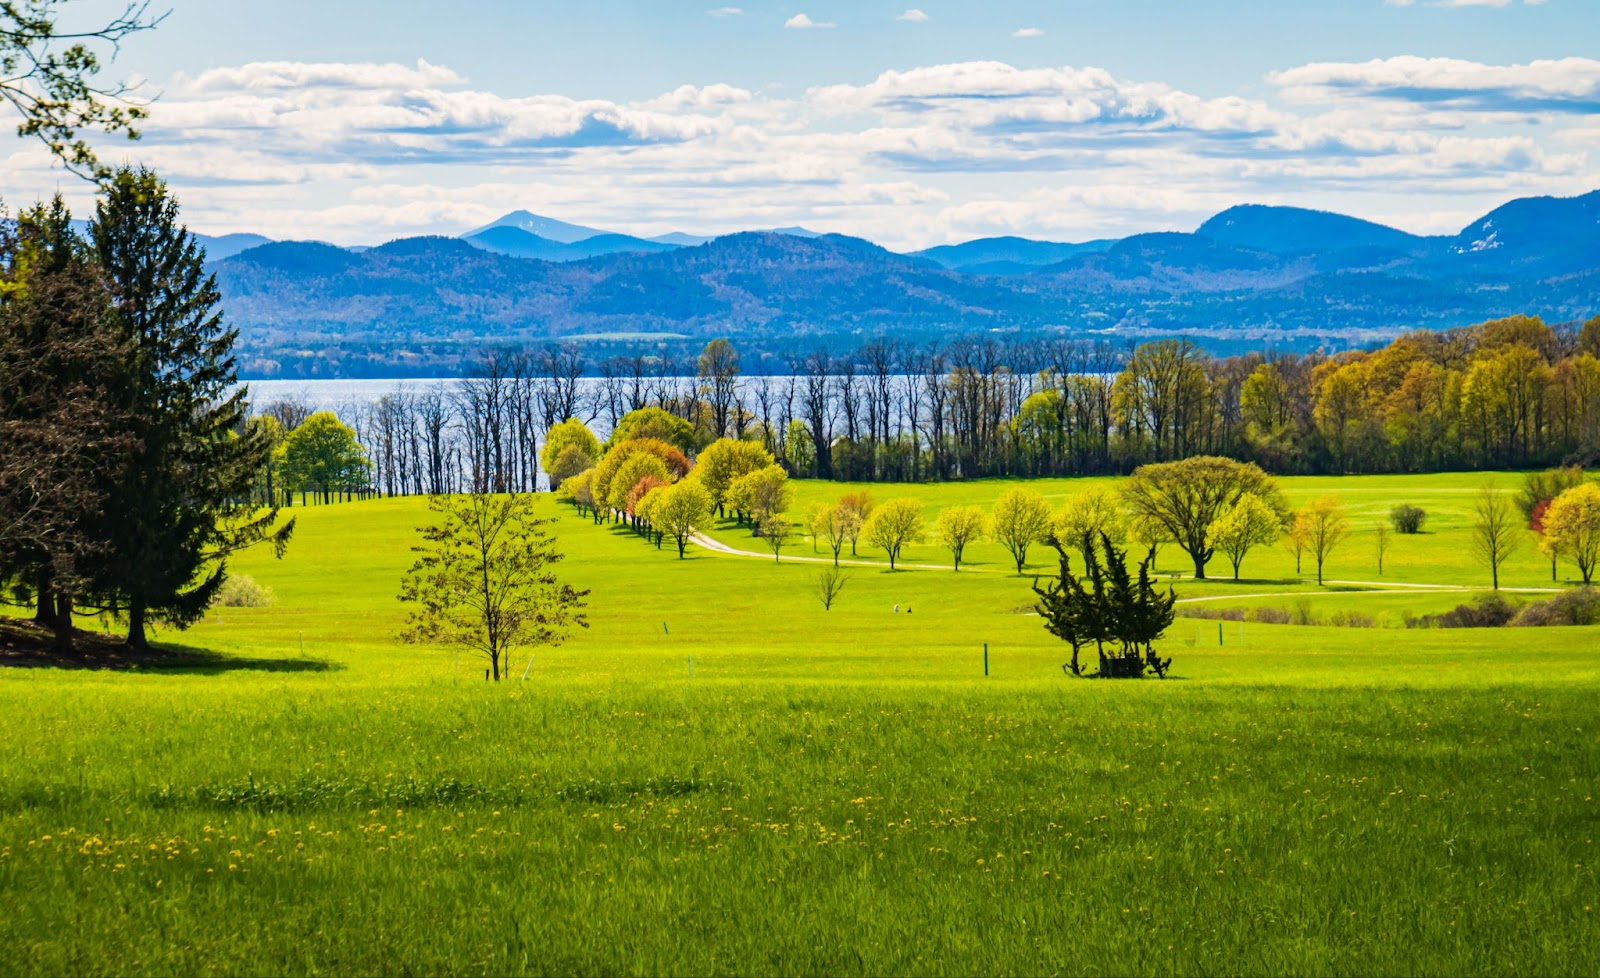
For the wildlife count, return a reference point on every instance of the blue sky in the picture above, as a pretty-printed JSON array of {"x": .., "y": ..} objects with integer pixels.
[{"x": 361, "y": 121}]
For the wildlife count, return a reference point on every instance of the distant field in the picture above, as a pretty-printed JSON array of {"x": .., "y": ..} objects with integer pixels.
[{"x": 838, "y": 792}]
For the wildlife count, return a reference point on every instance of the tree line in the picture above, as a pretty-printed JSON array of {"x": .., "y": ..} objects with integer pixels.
[{"x": 1513, "y": 393}]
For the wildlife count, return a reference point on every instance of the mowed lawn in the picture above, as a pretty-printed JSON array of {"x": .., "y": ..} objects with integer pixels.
[{"x": 721, "y": 777}]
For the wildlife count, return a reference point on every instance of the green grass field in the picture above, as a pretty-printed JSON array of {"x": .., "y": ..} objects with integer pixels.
[{"x": 829, "y": 791}]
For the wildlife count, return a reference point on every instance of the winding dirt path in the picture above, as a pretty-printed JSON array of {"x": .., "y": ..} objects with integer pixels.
[{"x": 1373, "y": 587}]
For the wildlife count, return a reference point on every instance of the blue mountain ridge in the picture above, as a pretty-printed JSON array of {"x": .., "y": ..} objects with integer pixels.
[{"x": 1251, "y": 270}]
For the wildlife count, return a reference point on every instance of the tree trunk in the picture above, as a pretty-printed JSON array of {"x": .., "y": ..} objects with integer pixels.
[
  {"x": 63, "y": 623},
  {"x": 1199, "y": 568},
  {"x": 136, "y": 636},
  {"x": 45, "y": 605}
]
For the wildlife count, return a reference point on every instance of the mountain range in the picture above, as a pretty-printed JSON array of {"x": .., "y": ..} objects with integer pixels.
[{"x": 1274, "y": 274}]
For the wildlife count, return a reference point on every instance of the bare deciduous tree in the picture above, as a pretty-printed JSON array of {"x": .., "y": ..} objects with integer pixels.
[
  {"x": 828, "y": 585},
  {"x": 1496, "y": 533}
]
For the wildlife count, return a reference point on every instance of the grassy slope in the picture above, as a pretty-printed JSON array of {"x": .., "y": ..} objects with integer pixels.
[{"x": 832, "y": 791}]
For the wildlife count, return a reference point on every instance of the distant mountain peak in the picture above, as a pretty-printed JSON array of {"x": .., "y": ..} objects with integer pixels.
[
  {"x": 548, "y": 228},
  {"x": 1289, "y": 230}
]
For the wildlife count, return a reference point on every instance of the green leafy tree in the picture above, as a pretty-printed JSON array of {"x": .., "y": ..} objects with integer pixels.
[
  {"x": 1020, "y": 518},
  {"x": 895, "y": 524},
  {"x": 1249, "y": 524},
  {"x": 618, "y": 455},
  {"x": 760, "y": 495},
  {"x": 1589, "y": 337},
  {"x": 653, "y": 422},
  {"x": 1148, "y": 535},
  {"x": 578, "y": 490},
  {"x": 484, "y": 579},
  {"x": 47, "y": 75},
  {"x": 637, "y": 467},
  {"x": 958, "y": 526},
  {"x": 572, "y": 461},
  {"x": 1094, "y": 512},
  {"x": 854, "y": 510},
  {"x": 323, "y": 456},
  {"x": 1105, "y": 605},
  {"x": 569, "y": 448},
  {"x": 799, "y": 448},
  {"x": 680, "y": 510},
  {"x": 1320, "y": 528},
  {"x": 1539, "y": 490},
  {"x": 725, "y": 460},
  {"x": 1572, "y": 528},
  {"x": 1186, "y": 497},
  {"x": 182, "y": 506},
  {"x": 832, "y": 524}
]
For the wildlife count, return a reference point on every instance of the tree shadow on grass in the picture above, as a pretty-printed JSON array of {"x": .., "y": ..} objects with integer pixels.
[{"x": 24, "y": 645}]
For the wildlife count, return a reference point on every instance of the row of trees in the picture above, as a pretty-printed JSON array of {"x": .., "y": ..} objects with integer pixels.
[
  {"x": 649, "y": 476},
  {"x": 1512, "y": 392},
  {"x": 127, "y": 461}
]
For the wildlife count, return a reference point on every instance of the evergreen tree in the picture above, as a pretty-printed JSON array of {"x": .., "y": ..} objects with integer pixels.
[
  {"x": 184, "y": 505},
  {"x": 1107, "y": 604}
]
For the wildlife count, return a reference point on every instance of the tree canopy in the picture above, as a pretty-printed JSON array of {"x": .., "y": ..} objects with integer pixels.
[
  {"x": 48, "y": 76},
  {"x": 1572, "y": 528},
  {"x": 1020, "y": 518},
  {"x": 1185, "y": 498},
  {"x": 1251, "y": 523},
  {"x": 322, "y": 456},
  {"x": 894, "y": 524},
  {"x": 484, "y": 579}
]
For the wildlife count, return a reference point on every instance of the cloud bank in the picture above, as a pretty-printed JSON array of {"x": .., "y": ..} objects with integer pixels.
[{"x": 362, "y": 152}]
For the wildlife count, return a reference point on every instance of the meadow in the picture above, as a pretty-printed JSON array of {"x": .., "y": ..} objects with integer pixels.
[{"x": 719, "y": 776}]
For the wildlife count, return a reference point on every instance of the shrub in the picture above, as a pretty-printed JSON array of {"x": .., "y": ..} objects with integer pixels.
[
  {"x": 242, "y": 591},
  {"x": 1580, "y": 606},
  {"x": 1488, "y": 611},
  {"x": 1270, "y": 616},
  {"x": 1352, "y": 619},
  {"x": 1302, "y": 613},
  {"x": 1213, "y": 614},
  {"x": 1407, "y": 518}
]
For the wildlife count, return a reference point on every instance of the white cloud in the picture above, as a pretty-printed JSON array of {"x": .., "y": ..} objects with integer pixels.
[
  {"x": 1027, "y": 32},
  {"x": 800, "y": 22},
  {"x": 1569, "y": 85},
  {"x": 359, "y": 153},
  {"x": 725, "y": 11},
  {"x": 913, "y": 15},
  {"x": 262, "y": 76}
]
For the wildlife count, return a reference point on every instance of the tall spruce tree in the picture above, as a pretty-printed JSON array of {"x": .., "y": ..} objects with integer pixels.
[
  {"x": 185, "y": 504},
  {"x": 61, "y": 431}
]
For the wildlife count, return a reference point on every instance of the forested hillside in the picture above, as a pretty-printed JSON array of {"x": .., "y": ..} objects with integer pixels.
[{"x": 1291, "y": 278}]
